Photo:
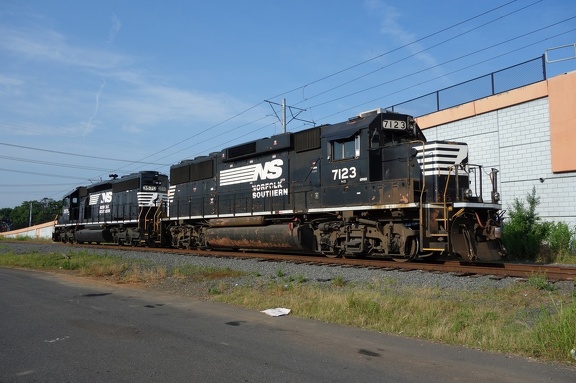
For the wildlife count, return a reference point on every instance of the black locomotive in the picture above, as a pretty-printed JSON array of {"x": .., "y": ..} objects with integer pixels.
[
  {"x": 369, "y": 186},
  {"x": 126, "y": 210}
]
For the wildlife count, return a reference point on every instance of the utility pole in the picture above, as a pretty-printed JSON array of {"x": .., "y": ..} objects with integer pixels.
[
  {"x": 285, "y": 107},
  {"x": 30, "y": 217},
  {"x": 283, "y": 115}
]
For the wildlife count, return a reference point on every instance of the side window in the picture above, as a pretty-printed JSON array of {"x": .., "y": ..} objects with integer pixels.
[
  {"x": 374, "y": 139},
  {"x": 346, "y": 148}
]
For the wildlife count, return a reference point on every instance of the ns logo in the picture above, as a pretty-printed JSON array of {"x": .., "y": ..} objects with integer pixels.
[
  {"x": 106, "y": 197},
  {"x": 100, "y": 198},
  {"x": 269, "y": 171}
]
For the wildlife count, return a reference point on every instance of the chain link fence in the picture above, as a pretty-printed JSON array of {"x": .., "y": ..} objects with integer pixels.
[{"x": 526, "y": 73}]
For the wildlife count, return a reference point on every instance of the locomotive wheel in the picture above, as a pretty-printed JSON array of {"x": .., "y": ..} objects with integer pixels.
[
  {"x": 330, "y": 254},
  {"x": 411, "y": 248},
  {"x": 335, "y": 251}
]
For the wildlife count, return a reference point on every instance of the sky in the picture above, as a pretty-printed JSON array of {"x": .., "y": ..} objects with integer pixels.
[{"x": 91, "y": 88}]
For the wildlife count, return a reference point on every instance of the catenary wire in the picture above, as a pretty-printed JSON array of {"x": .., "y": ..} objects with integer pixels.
[
  {"x": 448, "y": 61},
  {"x": 394, "y": 50},
  {"x": 326, "y": 77},
  {"x": 435, "y": 78},
  {"x": 418, "y": 40},
  {"x": 80, "y": 155},
  {"x": 341, "y": 71},
  {"x": 417, "y": 53}
]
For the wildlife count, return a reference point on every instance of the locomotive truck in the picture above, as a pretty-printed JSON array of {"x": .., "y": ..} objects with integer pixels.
[{"x": 371, "y": 186}]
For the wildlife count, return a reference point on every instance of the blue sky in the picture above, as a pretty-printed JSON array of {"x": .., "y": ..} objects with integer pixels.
[{"x": 89, "y": 88}]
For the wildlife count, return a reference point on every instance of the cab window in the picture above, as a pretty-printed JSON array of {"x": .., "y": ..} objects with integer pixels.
[{"x": 346, "y": 148}]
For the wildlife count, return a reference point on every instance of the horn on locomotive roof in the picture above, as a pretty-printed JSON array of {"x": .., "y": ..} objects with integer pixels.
[{"x": 374, "y": 112}]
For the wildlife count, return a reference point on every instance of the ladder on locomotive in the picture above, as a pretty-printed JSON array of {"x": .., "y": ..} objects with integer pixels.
[
  {"x": 442, "y": 236},
  {"x": 149, "y": 225}
]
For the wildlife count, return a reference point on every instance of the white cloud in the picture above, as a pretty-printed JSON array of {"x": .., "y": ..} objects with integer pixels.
[
  {"x": 133, "y": 98},
  {"x": 10, "y": 81},
  {"x": 390, "y": 26},
  {"x": 114, "y": 29},
  {"x": 42, "y": 44},
  {"x": 153, "y": 104}
]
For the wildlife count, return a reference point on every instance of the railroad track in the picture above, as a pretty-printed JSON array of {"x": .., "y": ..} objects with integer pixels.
[{"x": 460, "y": 268}]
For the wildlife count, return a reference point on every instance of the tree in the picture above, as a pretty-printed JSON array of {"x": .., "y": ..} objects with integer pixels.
[
  {"x": 5, "y": 220},
  {"x": 43, "y": 211}
]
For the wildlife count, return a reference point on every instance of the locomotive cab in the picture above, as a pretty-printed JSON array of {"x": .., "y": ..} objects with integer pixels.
[{"x": 369, "y": 160}]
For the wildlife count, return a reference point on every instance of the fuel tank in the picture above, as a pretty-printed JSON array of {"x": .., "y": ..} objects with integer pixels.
[
  {"x": 287, "y": 237},
  {"x": 94, "y": 235}
]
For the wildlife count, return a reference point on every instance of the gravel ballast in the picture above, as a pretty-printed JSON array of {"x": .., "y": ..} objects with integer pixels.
[{"x": 258, "y": 271}]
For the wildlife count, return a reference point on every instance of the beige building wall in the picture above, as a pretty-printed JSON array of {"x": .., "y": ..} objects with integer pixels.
[{"x": 528, "y": 134}]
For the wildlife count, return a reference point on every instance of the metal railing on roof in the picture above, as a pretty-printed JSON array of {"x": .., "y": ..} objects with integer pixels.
[{"x": 516, "y": 76}]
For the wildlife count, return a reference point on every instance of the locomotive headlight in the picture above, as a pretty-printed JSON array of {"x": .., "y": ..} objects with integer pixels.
[
  {"x": 468, "y": 193},
  {"x": 496, "y": 197}
]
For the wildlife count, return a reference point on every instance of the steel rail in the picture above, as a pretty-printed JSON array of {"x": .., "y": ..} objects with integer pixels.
[{"x": 461, "y": 268}]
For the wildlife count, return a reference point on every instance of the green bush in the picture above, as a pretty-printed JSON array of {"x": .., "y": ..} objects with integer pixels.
[
  {"x": 523, "y": 233},
  {"x": 561, "y": 238},
  {"x": 560, "y": 243},
  {"x": 527, "y": 238}
]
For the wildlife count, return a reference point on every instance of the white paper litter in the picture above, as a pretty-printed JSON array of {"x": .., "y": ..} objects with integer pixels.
[{"x": 277, "y": 312}]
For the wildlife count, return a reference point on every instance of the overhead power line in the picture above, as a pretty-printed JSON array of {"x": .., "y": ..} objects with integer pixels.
[
  {"x": 143, "y": 160},
  {"x": 80, "y": 155},
  {"x": 59, "y": 164},
  {"x": 402, "y": 47},
  {"x": 194, "y": 136},
  {"x": 42, "y": 174},
  {"x": 452, "y": 72},
  {"x": 445, "y": 62},
  {"x": 338, "y": 72},
  {"x": 34, "y": 185},
  {"x": 417, "y": 53}
]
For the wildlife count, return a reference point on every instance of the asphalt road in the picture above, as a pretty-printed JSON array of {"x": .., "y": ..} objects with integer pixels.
[{"x": 56, "y": 328}]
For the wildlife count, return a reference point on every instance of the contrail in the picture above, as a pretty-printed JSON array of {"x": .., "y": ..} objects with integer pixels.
[{"x": 89, "y": 124}]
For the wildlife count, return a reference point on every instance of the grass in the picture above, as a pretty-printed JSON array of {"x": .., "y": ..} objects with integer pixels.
[
  {"x": 523, "y": 320},
  {"x": 532, "y": 319},
  {"x": 24, "y": 238},
  {"x": 556, "y": 331},
  {"x": 111, "y": 267}
]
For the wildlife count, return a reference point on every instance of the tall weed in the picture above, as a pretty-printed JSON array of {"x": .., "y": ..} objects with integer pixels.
[
  {"x": 555, "y": 334},
  {"x": 523, "y": 233}
]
